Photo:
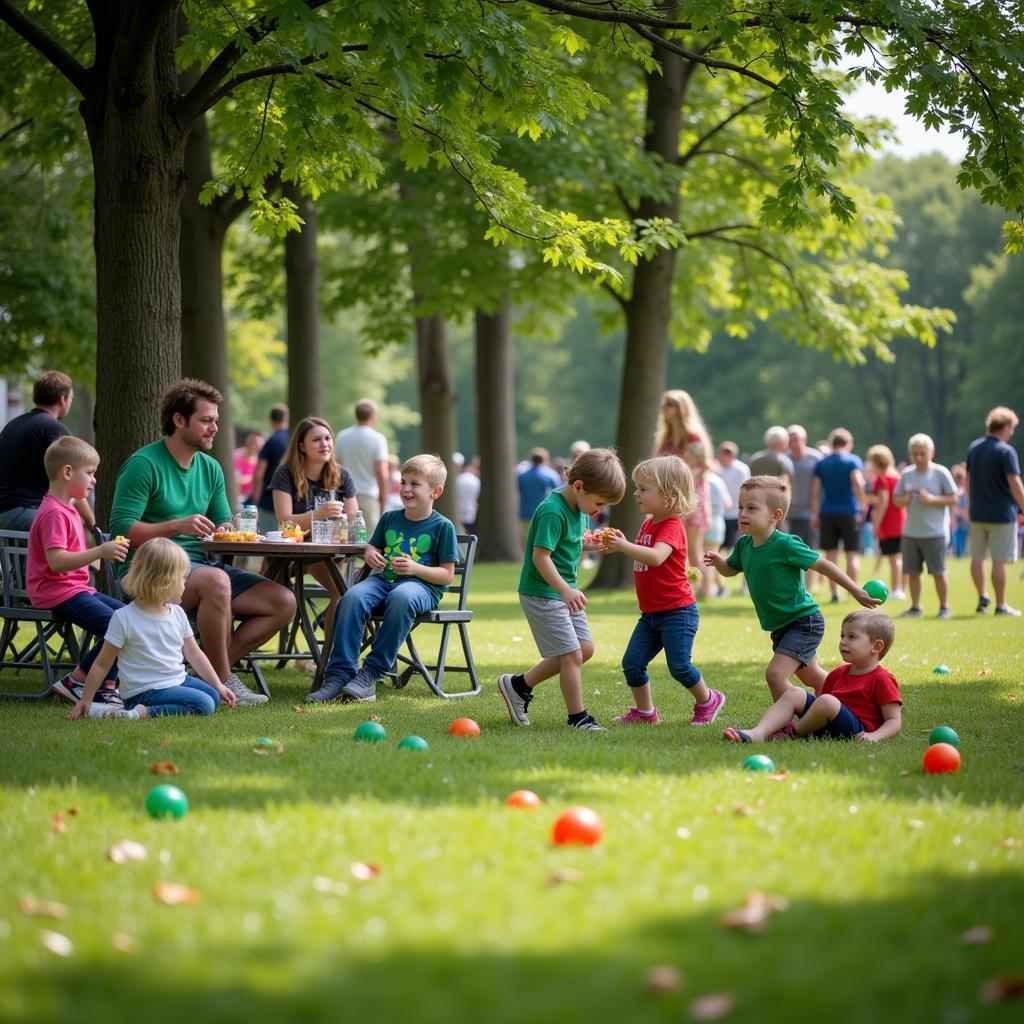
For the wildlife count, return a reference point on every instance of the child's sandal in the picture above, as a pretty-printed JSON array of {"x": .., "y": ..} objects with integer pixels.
[{"x": 735, "y": 735}]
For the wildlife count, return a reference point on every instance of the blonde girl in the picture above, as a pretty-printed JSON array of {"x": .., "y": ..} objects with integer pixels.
[
  {"x": 151, "y": 638},
  {"x": 887, "y": 518},
  {"x": 679, "y": 425},
  {"x": 668, "y": 610}
]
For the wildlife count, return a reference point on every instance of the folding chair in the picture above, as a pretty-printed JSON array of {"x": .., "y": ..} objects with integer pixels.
[
  {"x": 448, "y": 619},
  {"x": 53, "y": 646}
]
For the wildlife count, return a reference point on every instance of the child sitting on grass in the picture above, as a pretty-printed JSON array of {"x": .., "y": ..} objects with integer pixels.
[
  {"x": 668, "y": 609},
  {"x": 859, "y": 700},
  {"x": 774, "y": 563},
  {"x": 548, "y": 595},
  {"x": 151, "y": 638}
]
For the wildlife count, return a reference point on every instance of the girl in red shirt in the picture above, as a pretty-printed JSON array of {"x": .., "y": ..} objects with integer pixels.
[
  {"x": 668, "y": 610},
  {"x": 888, "y": 519}
]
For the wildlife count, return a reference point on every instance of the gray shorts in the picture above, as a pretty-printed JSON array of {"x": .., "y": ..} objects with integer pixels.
[
  {"x": 555, "y": 629},
  {"x": 997, "y": 539},
  {"x": 920, "y": 551}
]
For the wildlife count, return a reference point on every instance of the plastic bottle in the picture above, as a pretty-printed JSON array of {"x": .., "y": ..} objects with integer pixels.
[
  {"x": 341, "y": 529},
  {"x": 360, "y": 528}
]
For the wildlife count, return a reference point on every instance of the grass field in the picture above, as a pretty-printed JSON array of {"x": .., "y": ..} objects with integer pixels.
[{"x": 883, "y": 868}]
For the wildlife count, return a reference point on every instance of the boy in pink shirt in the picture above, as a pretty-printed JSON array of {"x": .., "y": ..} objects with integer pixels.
[{"x": 58, "y": 566}]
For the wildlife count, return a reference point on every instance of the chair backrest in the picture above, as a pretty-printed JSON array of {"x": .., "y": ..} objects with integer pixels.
[
  {"x": 14, "y": 568},
  {"x": 463, "y": 568}
]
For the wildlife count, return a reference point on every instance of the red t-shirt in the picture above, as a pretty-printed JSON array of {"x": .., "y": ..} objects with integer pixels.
[
  {"x": 892, "y": 522},
  {"x": 56, "y": 525},
  {"x": 863, "y": 694},
  {"x": 660, "y": 588}
]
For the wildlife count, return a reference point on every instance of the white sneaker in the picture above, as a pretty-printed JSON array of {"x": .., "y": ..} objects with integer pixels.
[
  {"x": 899, "y": 595},
  {"x": 245, "y": 696},
  {"x": 98, "y": 710}
]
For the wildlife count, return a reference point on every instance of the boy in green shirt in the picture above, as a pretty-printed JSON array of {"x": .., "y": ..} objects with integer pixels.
[
  {"x": 548, "y": 594},
  {"x": 773, "y": 564}
]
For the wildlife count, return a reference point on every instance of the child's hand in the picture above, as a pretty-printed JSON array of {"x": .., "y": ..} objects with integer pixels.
[
  {"x": 867, "y": 737},
  {"x": 113, "y": 551},
  {"x": 575, "y": 600},
  {"x": 864, "y": 598},
  {"x": 80, "y": 710},
  {"x": 226, "y": 695},
  {"x": 612, "y": 540},
  {"x": 713, "y": 558},
  {"x": 403, "y": 565},
  {"x": 374, "y": 559}
]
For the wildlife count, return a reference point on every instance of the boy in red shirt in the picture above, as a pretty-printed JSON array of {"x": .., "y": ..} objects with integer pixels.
[{"x": 859, "y": 700}]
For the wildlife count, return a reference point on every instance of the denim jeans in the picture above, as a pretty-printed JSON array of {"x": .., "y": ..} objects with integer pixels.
[
  {"x": 400, "y": 603},
  {"x": 193, "y": 697},
  {"x": 18, "y": 518},
  {"x": 92, "y": 612},
  {"x": 672, "y": 631}
]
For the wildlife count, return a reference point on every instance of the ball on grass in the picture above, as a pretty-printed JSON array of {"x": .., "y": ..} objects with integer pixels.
[
  {"x": 370, "y": 732},
  {"x": 941, "y": 670},
  {"x": 759, "y": 763},
  {"x": 464, "y": 727},
  {"x": 578, "y": 825},
  {"x": 166, "y": 801},
  {"x": 413, "y": 743},
  {"x": 522, "y": 798},
  {"x": 944, "y": 734},
  {"x": 941, "y": 759}
]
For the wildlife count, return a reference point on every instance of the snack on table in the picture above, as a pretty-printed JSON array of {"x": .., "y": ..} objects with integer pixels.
[
  {"x": 226, "y": 534},
  {"x": 293, "y": 530}
]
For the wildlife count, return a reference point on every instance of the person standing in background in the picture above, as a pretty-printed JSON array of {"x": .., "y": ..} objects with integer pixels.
[
  {"x": 245, "y": 459},
  {"x": 467, "y": 492},
  {"x": 837, "y": 502},
  {"x": 772, "y": 460},
  {"x": 535, "y": 483},
  {"x": 270, "y": 455},
  {"x": 363, "y": 451}
]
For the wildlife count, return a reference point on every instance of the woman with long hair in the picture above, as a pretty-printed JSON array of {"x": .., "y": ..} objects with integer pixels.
[{"x": 680, "y": 424}]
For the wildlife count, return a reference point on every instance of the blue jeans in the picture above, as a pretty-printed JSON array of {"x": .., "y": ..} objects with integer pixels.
[
  {"x": 193, "y": 697},
  {"x": 672, "y": 631},
  {"x": 18, "y": 518},
  {"x": 92, "y": 612},
  {"x": 399, "y": 603}
]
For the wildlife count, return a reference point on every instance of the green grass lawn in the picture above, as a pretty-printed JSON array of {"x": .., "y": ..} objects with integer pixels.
[{"x": 883, "y": 867}]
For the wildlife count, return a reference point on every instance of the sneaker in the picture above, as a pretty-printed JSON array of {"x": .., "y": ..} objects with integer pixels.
[
  {"x": 945, "y": 613},
  {"x": 634, "y": 716},
  {"x": 913, "y": 612},
  {"x": 329, "y": 690},
  {"x": 245, "y": 696},
  {"x": 108, "y": 695},
  {"x": 68, "y": 689},
  {"x": 1005, "y": 609},
  {"x": 110, "y": 711},
  {"x": 362, "y": 687},
  {"x": 983, "y": 603},
  {"x": 705, "y": 714},
  {"x": 834, "y": 599},
  {"x": 587, "y": 723},
  {"x": 898, "y": 595},
  {"x": 787, "y": 732},
  {"x": 517, "y": 705}
]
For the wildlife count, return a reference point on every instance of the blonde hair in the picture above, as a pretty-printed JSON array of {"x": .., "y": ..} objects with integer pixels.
[
  {"x": 673, "y": 479},
  {"x": 295, "y": 461},
  {"x": 600, "y": 472},
  {"x": 999, "y": 418},
  {"x": 685, "y": 425},
  {"x": 877, "y": 625},
  {"x": 921, "y": 441},
  {"x": 156, "y": 570},
  {"x": 430, "y": 467},
  {"x": 774, "y": 488},
  {"x": 697, "y": 453},
  {"x": 68, "y": 451},
  {"x": 881, "y": 456}
]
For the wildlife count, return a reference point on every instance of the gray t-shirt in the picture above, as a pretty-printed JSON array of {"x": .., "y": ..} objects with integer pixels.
[
  {"x": 769, "y": 462},
  {"x": 926, "y": 520},
  {"x": 803, "y": 481}
]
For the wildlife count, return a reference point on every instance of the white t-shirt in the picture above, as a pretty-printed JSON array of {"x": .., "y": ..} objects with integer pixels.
[
  {"x": 733, "y": 476},
  {"x": 359, "y": 449},
  {"x": 150, "y": 657},
  {"x": 467, "y": 497}
]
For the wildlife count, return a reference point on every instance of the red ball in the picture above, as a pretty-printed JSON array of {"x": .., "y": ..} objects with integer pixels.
[
  {"x": 464, "y": 727},
  {"x": 522, "y": 798},
  {"x": 940, "y": 758},
  {"x": 577, "y": 825}
]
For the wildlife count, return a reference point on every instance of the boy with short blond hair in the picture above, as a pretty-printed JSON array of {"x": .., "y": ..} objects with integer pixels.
[
  {"x": 413, "y": 552},
  {"x": 57, "y": 573},
  {"x": 551, "y": 601},
  {"x": 774, "y": 563},
  {"x": 859, "y": 700}
]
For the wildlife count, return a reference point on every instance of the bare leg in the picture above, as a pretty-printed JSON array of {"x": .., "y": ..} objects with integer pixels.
[
  {"x": 914, "y": 586},
  {"x": 570, "y": 679},
  {"x": 700, "y": 692},
  {"x": 999, "y": 582},
  {"x": 208, "y": 593},
  {"x": 942, "y": 589},
  {"x": 777, "y": 674},
  {"x": 978, "y": 575},
  {"x": 264, "y": 609},
  {"x": 695, "y": 548},
  {"x": 812, "y": 675},
  {"x": 549, "y": 667},
  {"x": 896, "y": 570},
  {"x": 642, "y": 697},
  {"x": 818, "y": 715},
  {"x": 779, "y": 715},
  {"x": 853, "y": 565}
]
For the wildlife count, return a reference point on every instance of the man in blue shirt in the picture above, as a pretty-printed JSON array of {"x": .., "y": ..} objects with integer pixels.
[
  {"x": 536, "y": 482},
  {"x": 995, "y": 495},
  {"x": 837, "y": 497}
]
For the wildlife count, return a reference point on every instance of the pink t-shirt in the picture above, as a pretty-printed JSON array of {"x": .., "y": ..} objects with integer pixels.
[{"x": 56, "y": 525}]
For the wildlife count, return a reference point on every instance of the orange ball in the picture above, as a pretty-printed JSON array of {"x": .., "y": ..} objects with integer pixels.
[
  {"x": 941, "y": 758},
  {"x": 578, "y": 825},
  {"x": 464, "y": 727},
  {"x": 522, "y": 798}
]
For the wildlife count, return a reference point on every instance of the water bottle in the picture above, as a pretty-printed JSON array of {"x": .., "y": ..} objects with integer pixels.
[
  {"x": 360, "y": 528},
  {"x": 341, "y": 529},
  {"x": 248, "y": 519}
]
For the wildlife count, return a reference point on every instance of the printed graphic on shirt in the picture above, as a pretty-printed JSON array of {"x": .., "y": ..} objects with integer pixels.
[
  {"x": 397, "y": 545},
  {"x": 645, "y": 540}
]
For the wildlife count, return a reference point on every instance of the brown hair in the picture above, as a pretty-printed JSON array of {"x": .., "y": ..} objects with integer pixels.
[
  {"x": 877, "y": 625},
  {"x": 156, "y": 568},
  {"x": 182, "y": 397},
  {"x": 50, "y": 388},
  {"x": 68, "y": 451},
  {"x": 881, "y": 456},
  {"x": 430, "y": 467},
  {"x": 775, "y": 490},
  {"x": 600, "y": 472},
  {"x": 365, "y": 408},
  {"x": 673, "y": 479},
  {"x": 1000, "y": 418},
  {"x": 278, "y": 414},
  {"x": 295, "y": 461},
  {"x": 840, "y": 438}
]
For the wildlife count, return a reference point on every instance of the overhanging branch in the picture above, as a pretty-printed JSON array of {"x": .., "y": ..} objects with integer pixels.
[{"x": 41, "y": 40}]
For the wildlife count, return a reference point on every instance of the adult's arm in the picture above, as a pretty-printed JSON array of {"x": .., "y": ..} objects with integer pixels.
[
  {"x": 1016, "y": 489},
  {"x": 816, "y": 501},
  {"x": 857, "y": 480}
]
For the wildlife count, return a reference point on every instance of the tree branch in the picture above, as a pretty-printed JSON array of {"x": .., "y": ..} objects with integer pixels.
[
  {"x": 14, "y": 129},
  {"x": 620, "y": 299},
  {"x": 39, "y": 39},
  {"x": 686, "y": 157},
  {"x": 767, "y": 254}
]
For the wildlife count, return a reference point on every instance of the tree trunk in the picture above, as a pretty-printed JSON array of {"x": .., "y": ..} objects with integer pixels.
[
  {"x": 138, "y": 152},
  {"x": 648, "y": 310},
  {"x": 496, "y": 437},
  {"x": 302, "y": 270},
  {"x": 204, "y": 352},
  {"x": 437, "y": 400},
  {"x": 83, "y": 400}
]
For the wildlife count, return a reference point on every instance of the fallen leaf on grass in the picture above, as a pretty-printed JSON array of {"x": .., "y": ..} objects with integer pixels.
[
  {"x": 58, "y": 824},
  {"x": 1002, "y": 988},
  {"x": 264, "y": 751},
  {"x": 56, "y": 943},
  {"x": 753, "y": 916},
  {"x": 742, "y": 810},
  {"x": 663, "y": 980},
  {"x": 174, "y": 894},
  {"x": 1009, "y": 842},
  {"x": 904, "y": 773},
  {"x": 164, "y": 768},
  {"x": 126, "y": 850},
  {"x": 165, "y": 743},
  {"x": 562, "y": 875},
  {"x": 122, "y": 942},
  {"x": 363, "y": 872},
  {"x": 780, "y": 776},
  {"x": 984, "y": 671},
  {"x": 712, "y": 1007},
  {"x": 32, "y": 907},
  {"x": 979, "y": 935},
  {"x": 300, "y": 710},
  {"x": 72, "y": 812}
]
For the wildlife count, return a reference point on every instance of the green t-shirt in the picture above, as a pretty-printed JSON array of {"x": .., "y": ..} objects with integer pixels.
[
  {"x": 152, "y": 488},
  {"x": 775, "y": 577},
  {"x": 430, "y": 541},
  {"x": 558, "y": 528}
]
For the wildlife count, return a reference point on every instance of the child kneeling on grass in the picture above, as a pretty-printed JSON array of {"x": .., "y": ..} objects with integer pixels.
[
  {"x": 150, "y": 638},
  {"x": 859, "y": 700}
]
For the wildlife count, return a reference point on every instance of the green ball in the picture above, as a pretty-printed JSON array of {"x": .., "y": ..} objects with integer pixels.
[
  {"x": 264, "y": 741},
  {"x": 877, "y": 589},
  {"x": 166, "y": 802},
  {"x": 759, "y": 763},
  {"x": 941, "y": 670},
  {"x": 413, "y": 743},
  {"x": 943, "y": 734},
  {"x": 371, "y": 732}
]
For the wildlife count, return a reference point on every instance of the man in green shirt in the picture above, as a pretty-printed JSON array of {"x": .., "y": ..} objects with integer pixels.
[{"x": 174, "y": 488}]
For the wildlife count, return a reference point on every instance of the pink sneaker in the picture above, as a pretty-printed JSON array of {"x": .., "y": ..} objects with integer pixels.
[
  {"x": 632, "y": 717},
  {"x": 705, "y": 714}
]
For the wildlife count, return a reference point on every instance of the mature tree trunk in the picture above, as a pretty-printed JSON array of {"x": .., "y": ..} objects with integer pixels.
[
  {"x": 437, "y": 400},
  {"x": 649, "y": 308},
  {"x": 496, "y": 437},
  {"x": 138, "y": 153},
  {"x": 302, "y": 270}
]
